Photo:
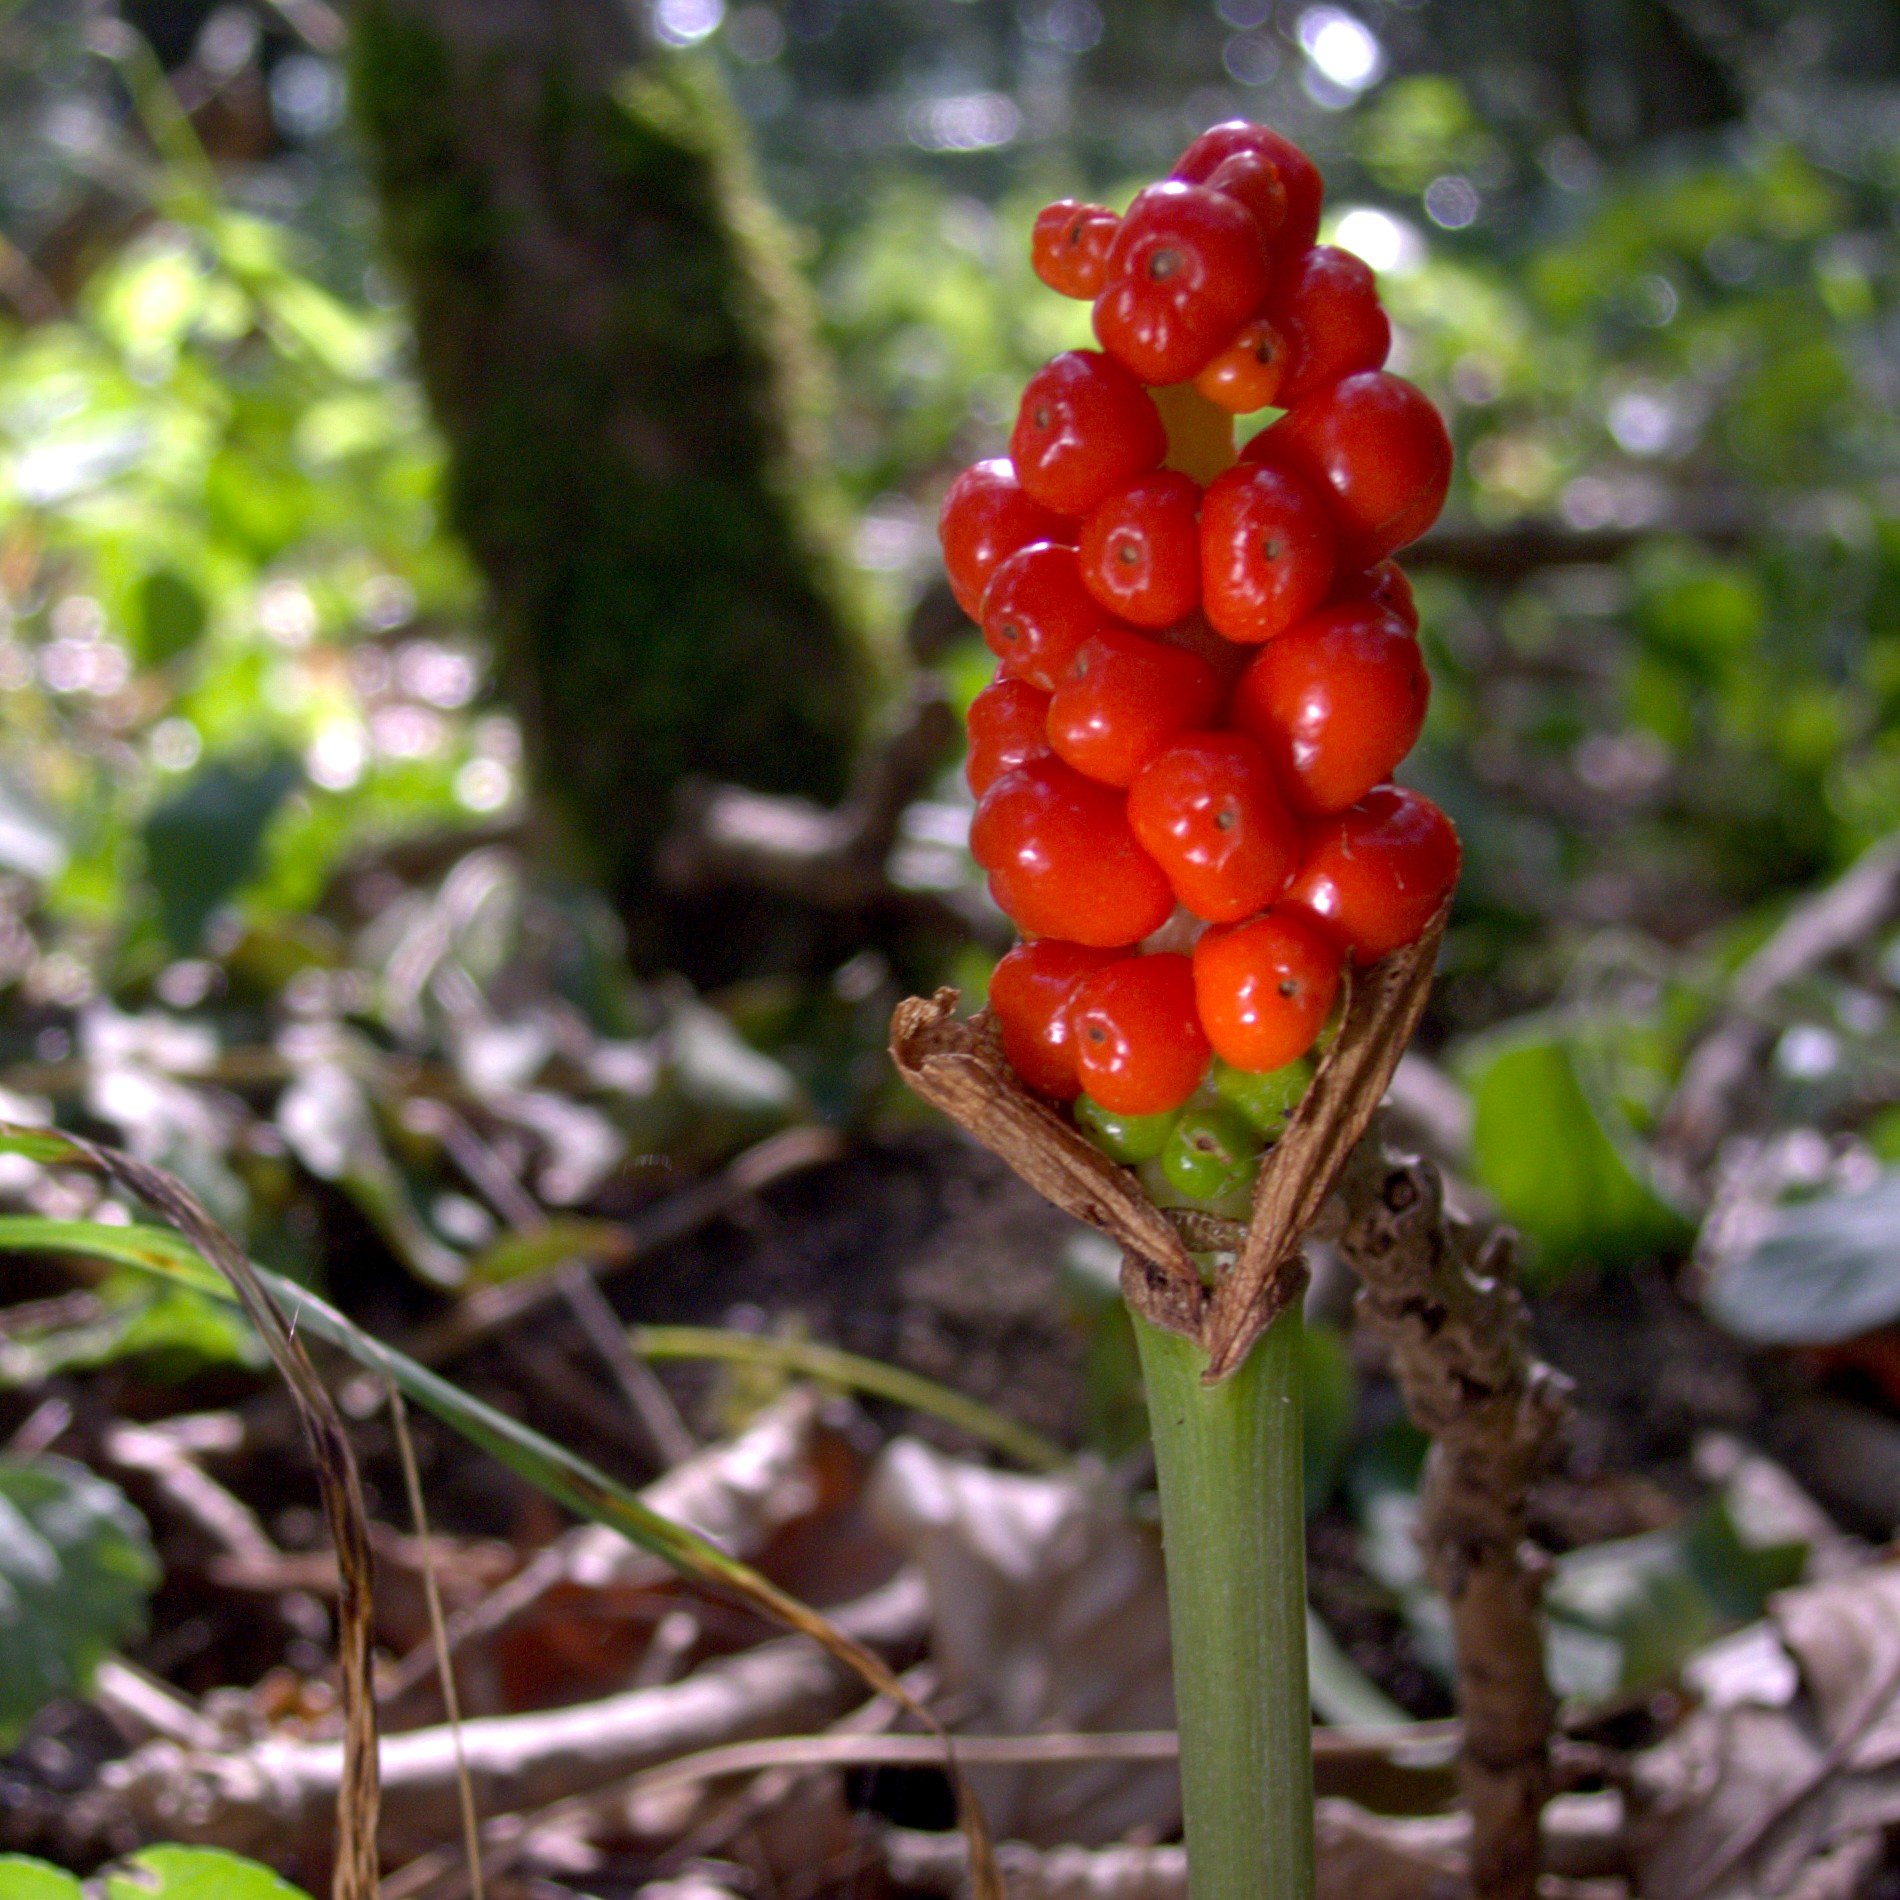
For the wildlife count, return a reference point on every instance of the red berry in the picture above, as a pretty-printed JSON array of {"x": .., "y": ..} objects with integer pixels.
[
  {"x": 1123, "y": 699},
  {"x": 1188, "y": 268},
  {"x": 1254, "y": 180},
  {"x": 1336, "y": 702},
  {"x": 1300, "y": 176},
  {"x": 1375, "y": 876},
  {"x": 1207, "y": 810},
  {"x": 986, "y": 517},
  {"x": 1037, "y": 615},
  {"x": 1063, "y": 861},
  {"x": 1194, "y": 635},
  {"x": 1009, "y": 726},
  {"x": 1070, "y": 245},
  {"x": 1245, "y": 376},
  {"x": 1139, "y": 1048},
  {"x": 1267, "y": 546},
  {"x": 1030, "y": 991},
  {"x": 1264, "y": 988},
  {"x": 1379, "y": 448},
  {"x": 1141, "y": 550},
  {"x": 1085, "y": 427},
  {"x": 1386, "y": 585},
  {"x": 1327, "y": 307}
]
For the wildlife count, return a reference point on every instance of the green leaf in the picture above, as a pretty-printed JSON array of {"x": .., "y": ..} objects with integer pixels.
[
  {"x": 1817, "y": 1271},
  {"x": 202, "y": 846},
  {"x": 76, "y": 1570},
  {"x": 196, "y": 1873},
  {"x": 177, "y": 1330},
  {"x": 24, "y": 1879},
  {"x": 1544, "y": 1150},
  {"x": 169, "y": 616}
]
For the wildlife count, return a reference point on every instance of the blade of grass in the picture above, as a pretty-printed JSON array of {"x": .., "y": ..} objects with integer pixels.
[
  {"x": 568, "y": 1479},
  {"x": 848, "y": 1370}
]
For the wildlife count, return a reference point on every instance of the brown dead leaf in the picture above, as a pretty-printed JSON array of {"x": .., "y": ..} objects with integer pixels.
[
  {"x": 1048, "y": 1609},
  {"x": 1772, "y": 1788}
]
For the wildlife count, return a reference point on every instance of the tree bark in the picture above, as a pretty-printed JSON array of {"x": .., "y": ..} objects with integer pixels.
[{"x": 613, "y": 337}]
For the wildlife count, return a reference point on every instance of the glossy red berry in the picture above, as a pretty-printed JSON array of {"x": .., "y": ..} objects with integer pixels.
[
  {"x": 1085, "y": 427},
  {"x": 1189, "y": 267},
  {"x": 1298, "y": 174},
  {"x": 1009, "y": 726},
  {"x": 1336, "y": 703},
  {"x": 1139, "y": 1046},
  {"x": 1069, "y": 247},
  {"x": 1124, "y": 697},
  {"x": 1379, "y": 449},
  {"x": 1386, "y": 585},
  {"x": 1328, "y": 309},
  {"x": 1254, "y": 180},
  {"x": 1208, "y": 811},
  {"x": 1141, "y": 549},
  {"x": 1037, "y": 615},
  {"x": 1375, "y": 876},
  {"x": 1245, "y": 376},
  {"x": 1267, "y": 551},
  {"x": 1030, "y": 992},
  {"x": 986, "y": 517},
  {"x": 1063, "y": 861},
  {"x": 1264, "y": 988}
]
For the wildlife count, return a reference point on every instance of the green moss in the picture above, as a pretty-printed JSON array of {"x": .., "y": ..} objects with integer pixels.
[{"x": 618, "y": 345}]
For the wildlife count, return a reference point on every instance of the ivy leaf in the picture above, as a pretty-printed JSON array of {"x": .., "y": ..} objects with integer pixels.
[
  {"x": 202, "y": 846},
  {"x": 195, "y": 1873},
  {"x": 24, "y": 1879},
  {"x": 76, "y": 1570},
  {"x": 1816, "y": 1272},
  {"x": 1549, "y": 1156}
]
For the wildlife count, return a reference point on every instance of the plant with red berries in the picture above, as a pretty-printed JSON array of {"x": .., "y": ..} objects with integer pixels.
[{"x": 1209, "y": 671}]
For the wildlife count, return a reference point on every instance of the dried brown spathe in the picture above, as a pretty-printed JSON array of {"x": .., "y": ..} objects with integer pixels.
[{"x": 958, "y": 1067}]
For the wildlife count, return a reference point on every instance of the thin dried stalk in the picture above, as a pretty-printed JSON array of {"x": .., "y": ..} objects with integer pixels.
[
  {"x": 1460, "y": 1340},
  {"x": 358, "y": 1792}
]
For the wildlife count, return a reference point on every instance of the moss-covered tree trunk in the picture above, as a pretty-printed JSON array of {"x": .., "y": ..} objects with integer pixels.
[{"x": 616, "y": 344}]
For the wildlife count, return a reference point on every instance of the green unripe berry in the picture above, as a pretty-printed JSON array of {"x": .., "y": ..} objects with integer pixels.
[
  {"x": 1125, "y": 1138},
  {"x": 1155, "y": 1184},
  {"x": 1265, "y": 1097},
  {"x": 1212, "y": 1153}
]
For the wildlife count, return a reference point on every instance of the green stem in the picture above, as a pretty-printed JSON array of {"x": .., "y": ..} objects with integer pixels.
[{"x": 1233, "y": 1522}]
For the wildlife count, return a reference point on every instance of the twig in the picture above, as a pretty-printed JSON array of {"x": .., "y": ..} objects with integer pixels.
[
  {"x": 1511, "y": 554},
  {"x": 1360, "y": 1855},
  {"x": 737, "y": 1494},
  {"x": 832, "y": 858},
  {"x": 451, "y": 1701},
  {"x": 255, "y": 1799},
  {"x": 1459, "y": 1336},
  {"x": 1841, "y": 917},
  {"x": 227, "y": 1524},
  {"x": 648, "y": 1400},
  {"x": 490, "y": 1309}
]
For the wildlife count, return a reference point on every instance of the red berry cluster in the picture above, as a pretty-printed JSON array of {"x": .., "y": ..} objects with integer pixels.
[{"x": 1209, "y": 664}]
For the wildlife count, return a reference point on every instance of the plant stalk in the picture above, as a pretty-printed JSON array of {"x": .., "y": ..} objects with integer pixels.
[{"x": 1233, "y": 1522}]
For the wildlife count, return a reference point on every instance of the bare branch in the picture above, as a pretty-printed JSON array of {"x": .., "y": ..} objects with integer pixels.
[{"x": 831, "y": 858}]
